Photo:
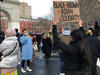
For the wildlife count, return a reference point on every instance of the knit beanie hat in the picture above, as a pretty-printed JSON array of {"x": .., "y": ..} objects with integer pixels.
[{"x": 10, "y": 32}]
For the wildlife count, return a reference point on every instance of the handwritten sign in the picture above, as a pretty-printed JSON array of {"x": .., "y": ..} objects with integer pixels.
[{"x": 65, "y": 11}]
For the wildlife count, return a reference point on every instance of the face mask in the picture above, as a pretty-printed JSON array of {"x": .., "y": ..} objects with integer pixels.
[
  {"x": 66, "y": 32},
  {"x": 26, "y": 33}
]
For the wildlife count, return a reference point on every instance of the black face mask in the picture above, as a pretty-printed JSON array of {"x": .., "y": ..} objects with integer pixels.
[{"x": 50, "y": 33}]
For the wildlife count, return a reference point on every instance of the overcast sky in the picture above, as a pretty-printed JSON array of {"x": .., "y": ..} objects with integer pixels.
[{"x": 40, "y": 8}]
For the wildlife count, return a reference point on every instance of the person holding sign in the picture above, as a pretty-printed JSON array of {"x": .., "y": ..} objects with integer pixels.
[
  {"x": 27, "y": 50},
  {"x": 79, "y": 54},
  {"x": 65, "y": 37}
]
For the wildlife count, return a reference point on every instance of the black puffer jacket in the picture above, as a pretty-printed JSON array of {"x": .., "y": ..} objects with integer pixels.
[
  {"x": 47, "y": 46},
  {"x": 94, "y": 43},
  {"x": 72, "y": 59}
]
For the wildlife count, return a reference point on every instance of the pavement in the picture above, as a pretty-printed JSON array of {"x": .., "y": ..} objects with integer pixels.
[{"x": 39, "y": 66}]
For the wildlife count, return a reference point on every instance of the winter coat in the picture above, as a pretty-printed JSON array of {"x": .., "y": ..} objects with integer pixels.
[
  {"x": 38, "y": 38},
  {"x": 51, "y": 38},
  {"x": 72, "y": 58},
  {"x": 65, "y": 38},
  {"x": 94, "y": 43},
  {"x": 6, "y": 47},
  {"x": 27, "y": 48},
  {"x": 47, "y": 46}
]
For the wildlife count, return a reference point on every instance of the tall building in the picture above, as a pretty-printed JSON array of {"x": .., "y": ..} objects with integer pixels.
[
  {"x": 25, "y": 10},
  {"x": 26, "y": 21}
]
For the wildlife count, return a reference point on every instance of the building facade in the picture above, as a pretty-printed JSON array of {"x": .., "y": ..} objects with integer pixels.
[
  {"x": 3, "y": 22},
  {"x": 9, "y": 14},
  {"x": 25, "y": 10},
  {"x": 26, "y": 21},
  {"x": 15, "y": 14}
]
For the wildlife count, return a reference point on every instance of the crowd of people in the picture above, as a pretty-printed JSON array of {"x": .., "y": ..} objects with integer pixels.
[
  {"x": 16, "y": 49},
  {"x": 80, "y": 53},
  {"x": 78, "y": 49}
]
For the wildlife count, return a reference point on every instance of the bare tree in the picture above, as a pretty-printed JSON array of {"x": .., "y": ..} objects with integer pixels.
[
  {"x": 89, "y": 10},
  {"x": 43, "y": 24}
]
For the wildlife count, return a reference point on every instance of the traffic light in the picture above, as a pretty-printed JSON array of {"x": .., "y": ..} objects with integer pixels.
[{"x": 1, "y": 0}]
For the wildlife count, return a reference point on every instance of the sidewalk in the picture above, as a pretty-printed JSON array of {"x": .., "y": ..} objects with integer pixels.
[{"x": 40, "y": 68}]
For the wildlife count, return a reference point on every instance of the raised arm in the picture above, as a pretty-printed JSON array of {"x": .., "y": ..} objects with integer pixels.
[
  {"x": 61, "y": 45},
  {"x": 23, "y": 40}
]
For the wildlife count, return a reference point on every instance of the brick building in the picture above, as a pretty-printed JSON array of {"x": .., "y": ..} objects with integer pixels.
[
  {"x": 26, "y": 23},
  {"x": 3, "y": 22}
]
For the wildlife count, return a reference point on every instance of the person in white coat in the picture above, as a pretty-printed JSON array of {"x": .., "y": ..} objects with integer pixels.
[{"x": 9, "y": 49}]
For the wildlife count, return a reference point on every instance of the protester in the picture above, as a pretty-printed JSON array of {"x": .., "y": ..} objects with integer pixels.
[
  {"x": 18, "y": 35},
  {"x": 38, "y": 39},
  {"x": 97, "y": 29},
  {"x": 75, "y": 56},
  {"x": 35, "y": 43},
  {"x": 32, "y": 38},
  {"x": 65, "y": 37},
  {"x": 51, "y": 38},
  {"x": 94, "y": 42},
  {"x": 9, "y": 57},
  {"x": 47, "y": 46},
  {"x": 27, "y": 50},
  {"x": 79, "y": 55},
  {"x": 96, "y": 33}
]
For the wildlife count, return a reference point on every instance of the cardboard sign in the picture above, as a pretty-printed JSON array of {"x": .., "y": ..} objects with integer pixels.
[{"x": 65, "y": 11}]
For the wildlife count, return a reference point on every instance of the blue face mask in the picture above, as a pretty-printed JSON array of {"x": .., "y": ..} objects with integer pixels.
[{"x": 66, "y": 32}]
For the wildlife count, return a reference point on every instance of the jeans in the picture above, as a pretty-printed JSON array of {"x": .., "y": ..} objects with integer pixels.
[
  {"x": 23, "y": 63},
  {"x": 61, "y": 63}
]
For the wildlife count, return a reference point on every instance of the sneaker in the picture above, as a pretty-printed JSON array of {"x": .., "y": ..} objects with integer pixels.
[
  {"x": 28, "y": 69},
  {"x": 23, "y": 71},
  {"x": 62, "y": 74},
  {"x": 19, "y": 63}
]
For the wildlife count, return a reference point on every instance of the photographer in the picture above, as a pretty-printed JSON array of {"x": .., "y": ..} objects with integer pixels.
[{"x": 27, "y": 50}]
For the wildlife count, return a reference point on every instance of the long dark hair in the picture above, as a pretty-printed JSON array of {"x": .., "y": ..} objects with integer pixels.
[{"x": 83, "y": 45}]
